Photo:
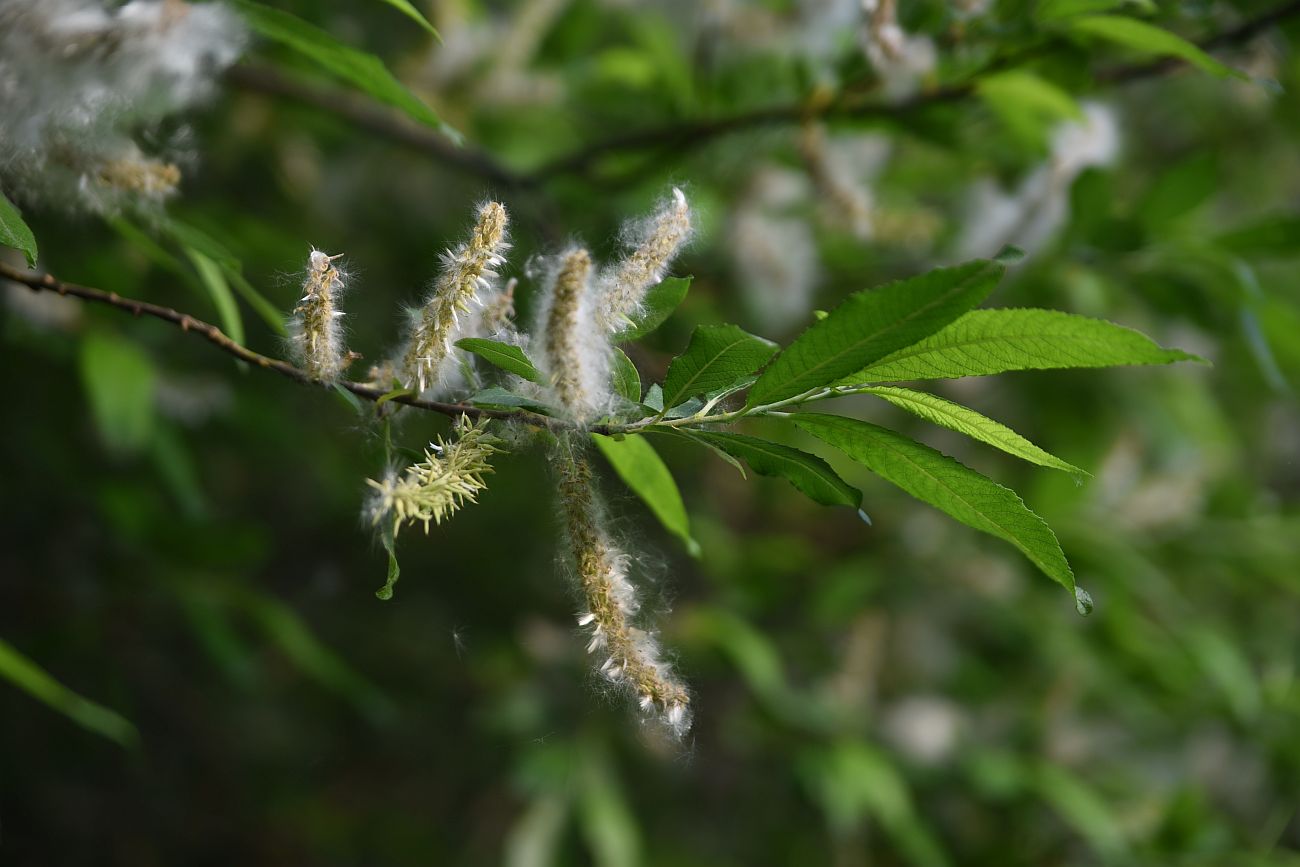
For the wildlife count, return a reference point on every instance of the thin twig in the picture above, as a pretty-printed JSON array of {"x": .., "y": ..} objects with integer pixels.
[{"x": 218, "y": 338}]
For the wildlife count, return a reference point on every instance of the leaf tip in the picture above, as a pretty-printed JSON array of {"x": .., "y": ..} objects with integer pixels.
[{"x": 1082, "y": 601}]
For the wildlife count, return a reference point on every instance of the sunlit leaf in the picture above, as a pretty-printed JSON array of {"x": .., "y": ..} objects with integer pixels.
[
  {"x": 871, "y": 324},
  {"x": 358, "y": 68},
  {"x": 1149, "y": 39},
  {"x": 985, "y": 342},
  {"x": 716, "y": 357},
  {"x": 641, "y": 468},
  {"x": 967, "y": 421}
]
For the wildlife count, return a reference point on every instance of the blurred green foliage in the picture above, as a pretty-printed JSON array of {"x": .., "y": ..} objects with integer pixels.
[{"x": 182, "y": 542}]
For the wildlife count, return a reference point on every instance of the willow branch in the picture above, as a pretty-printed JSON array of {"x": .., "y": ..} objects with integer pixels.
[
  {"x": 686, "y": 135},
  {"x": 374, "y": 117},
  {"x": 215, "y": 336},
  {"x": 696, "y": 133}
]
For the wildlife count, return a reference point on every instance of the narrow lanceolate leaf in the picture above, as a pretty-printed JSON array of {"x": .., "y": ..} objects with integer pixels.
[
  {"x": 214, "y": 281},
  {"x": 405, "y": 7},
  {"x": 717, "y": 357},
  {"x": 627, "y": 382},
  {"x": 946, "y": 484},
  {"x": 1147, "y": 38},
  {"x": 358, "y": 68},
  {"x": 36, "y": 682},
  {"x": 871, "y": 324},
  {"x": 506, "y": 356},
  {"x": 659, "y": 304},
  {"x": 809, "y": 473},
  {"x": 985, "y": 342},
  {"x": 967, "y": 421},
  {"x": 16, "y": 233},
  {"x": 639, "y": 465}
]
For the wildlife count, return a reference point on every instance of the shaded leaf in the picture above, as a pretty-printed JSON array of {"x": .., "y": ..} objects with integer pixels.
[
  {"x": 627, "y": 382},
  {"x": 871, "y": 324},
  {"x": 946, "y": 484},
  {"x": 809, "y": 473},
  {"x": 14, "y": 232},
  {"x": 985, "y": 342},
  {"x": 659, "y": 304},
  {"x": 36, "y": 682},
  {"x": 119, "y": 380},
  {"x": 213, "y": 280},
  {"x": 639, "y": 465},
  {"x": 716, "y": 358},
  {"x": 497, "y": 396}
]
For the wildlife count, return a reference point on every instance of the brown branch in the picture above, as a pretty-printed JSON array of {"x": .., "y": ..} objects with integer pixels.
[
  {"x": 696, "y": 133},
  {"x": 379, "y": 119},
  {"x": 218, "y": 338},
  {"x": 687, "y": 135}
]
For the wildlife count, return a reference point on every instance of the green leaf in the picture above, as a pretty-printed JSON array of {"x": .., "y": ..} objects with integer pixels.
[
  {"x": 191, "y": 236},
  {"x": 212, "y": 278},
  {"x": 1147, "y": 38},
  {"x": 1054, "y": 10},
  {"x": 871, "y": 324},
  {"x": 985, "y": 342},
  {"x": 405, "y": 7},
  {"x": 504, "y": 355},
  {"x": 16, "y": 233},
  {"x": 686, "y": 435},
  {"x": 388, "y": 540},
  {"x": 946, "y": 484},
  {"x": 627, "y": 382},
  {"x": 36, "y": 682},
  {"x": 1276, "y": 235},
  {"x": 967, "y": 421},
  {"x": 359, "y": 68},
  {"x": 659, "y": 304},
  {"x": 119, "y": 380},
  {"x": 496, "y": 396},
  {"x": 639, "y": 465},
  {"x": 809, "y": 473},
  {"x": 1028, "y": 105},
  {"x": 717, "y": 356}
]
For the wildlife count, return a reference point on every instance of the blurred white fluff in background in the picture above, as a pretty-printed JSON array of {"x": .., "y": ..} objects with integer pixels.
[
  {"x": 1032, "y": 215},
  {"x": 79, "y": 81}
]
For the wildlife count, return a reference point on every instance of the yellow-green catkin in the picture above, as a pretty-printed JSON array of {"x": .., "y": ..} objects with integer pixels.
[
  {"x": 315, "y": 335},
  {"x": 655, "y": 242},
  {"x": 469, "y": 271},
  {"x": 451, "y": 474},
  {"x": 629, "y": 656},
  {"x": 574, "y": 349}
]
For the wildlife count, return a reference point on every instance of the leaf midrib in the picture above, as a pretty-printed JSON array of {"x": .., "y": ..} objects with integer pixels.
[{"x": 895, "y": 325}]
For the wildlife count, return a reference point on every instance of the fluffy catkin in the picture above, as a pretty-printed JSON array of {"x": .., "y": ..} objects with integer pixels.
[
  {"x": 629, "y": 656},
  {"x": 468, "y": 271},
  {"x": 435, "y": 488},
  {"x": 314, "y": 331},
  {"x": 80, "y": 78},
  {"x": 575, "y": 349},
  {"x": 655, "y": 241}
]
